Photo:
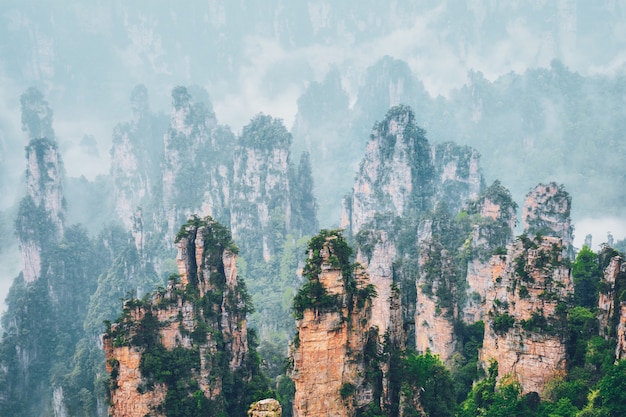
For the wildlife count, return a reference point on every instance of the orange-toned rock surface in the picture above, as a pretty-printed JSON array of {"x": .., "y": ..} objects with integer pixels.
[
  {"x": 125, "y": 398},
  {"x": 328, "y": 351},
  {"x": 521, "y": 330},
  {"x": 207, "y": 269}
]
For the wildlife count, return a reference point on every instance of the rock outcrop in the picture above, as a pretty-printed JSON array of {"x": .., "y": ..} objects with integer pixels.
[
  {"x": 198, "y": 162},
  {"x": 546, "y": 211},
  {"x": 186, "y": 339},
  {"x": 262, "y": 189},
  {"x": 335, "y": 342},
  {"x": 611, "y": 306},
  {"x": 400, "y": 179},
  {"x": 41, "y": 217},
  {"x": 492, "y": 228},
  {"x": 42, "y": 325},
  {"x": 523, "y": 332},
  {"x": 136, "y": 156},
  {"x": 608, "y": 297},
  {"x": 265, "y": 408},
  {"x": 197, "y": 166}
]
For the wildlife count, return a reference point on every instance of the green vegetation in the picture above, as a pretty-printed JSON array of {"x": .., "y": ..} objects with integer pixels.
[
  {"x": 504, "y": 400},
  {"x": 36, "y": 115},
  {"x": 346, "y": 390},
  {"x": 265, "y": 132},
  {"x": 313, "y": 294},
  {"x": 45, "y": 318},
  {"x": 178, "y": 368},
  {"x": 502, "y": 323},
  {"x": 465, "y": 368},
  {"x": 423, "y": 381},
  {"x": 586, "y": 273}
]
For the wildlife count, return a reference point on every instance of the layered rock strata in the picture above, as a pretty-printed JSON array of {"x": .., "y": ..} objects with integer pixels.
[
  {"x": 522, "y": 331},
  {"x": 335, "y": 341}
]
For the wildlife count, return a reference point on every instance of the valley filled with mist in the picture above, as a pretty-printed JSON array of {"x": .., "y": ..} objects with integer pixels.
[{"x": 333, "y": 206}]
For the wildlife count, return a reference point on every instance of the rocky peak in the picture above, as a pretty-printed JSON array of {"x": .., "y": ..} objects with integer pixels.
[
  {"x": 262, "y": 184},
  {"x": 401, "y": 174},
  {"x": 136, "y": 155},
  {"x": 546, "y": 211},
  {"x": 41, "y": 215},
  {"x": 188, "y": 338},
  {"x": 531, "y": 284},
  {"x": 402, "y": 179},
  {"x": 388, "y": 83},
  {"x": 44, "y": 180},
  {"x": 396, "y": 173},
  {"x": 197, "y": 161},
  {"x": 335, "y": 341}
]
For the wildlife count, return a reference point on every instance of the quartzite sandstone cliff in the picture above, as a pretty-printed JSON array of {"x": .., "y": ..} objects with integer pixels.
[
  {"x": 335, "y": 341},
  {"x": 181, "y": 343}
]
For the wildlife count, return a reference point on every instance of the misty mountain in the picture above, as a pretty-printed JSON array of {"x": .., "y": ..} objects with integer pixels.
[{"x": 165, "y": 171}]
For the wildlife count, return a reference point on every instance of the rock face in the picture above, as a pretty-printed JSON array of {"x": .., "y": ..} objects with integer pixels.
[
  {"x": 400, "y": 179},
  {"x": 611, "y": 308},
  {"x": 136, "y": 156},
  {"x": 424, "y": 224},
  {"x": 197, "y": 165},
  {"x": 43, "y": 205},
  {"x": 335, "y": 341},
  {"x": 396, "y": 174},
  {"x": 522, "y": 332},
  {"x": 492, "y": 230},
  {"x": 261, "y": 171},
  {"x": 187, "y": 338},
  {"x": 200, "y": 167},
  {"x": 245, "y": 182},
  {"x": 607, "y": 298},
  {"x": 454, "y": 267},
  {"x": 434, "y": 318},
  {"x": 44, "y": 202}
]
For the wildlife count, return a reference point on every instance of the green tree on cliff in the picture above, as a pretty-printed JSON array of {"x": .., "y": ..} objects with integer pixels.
[{"x": 586, "y": 273}]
